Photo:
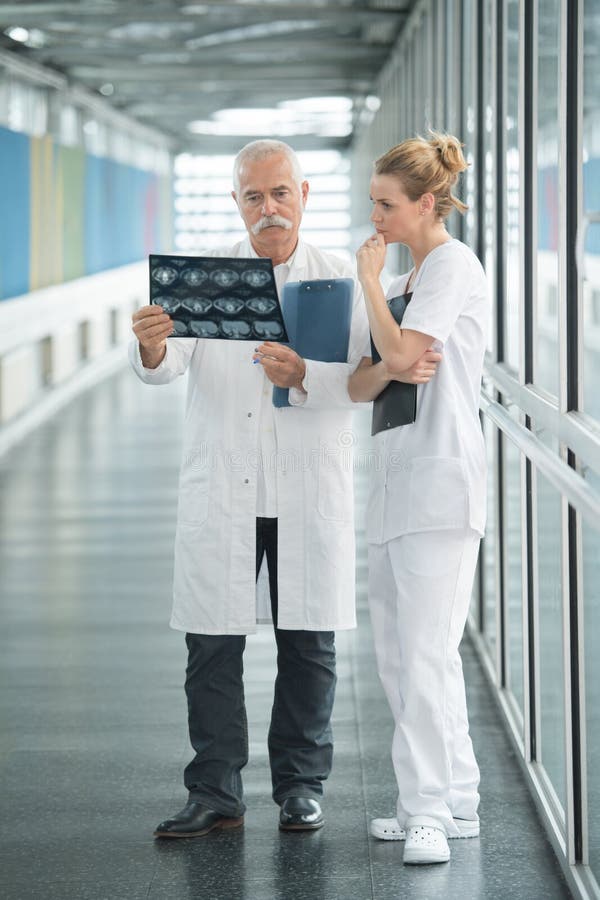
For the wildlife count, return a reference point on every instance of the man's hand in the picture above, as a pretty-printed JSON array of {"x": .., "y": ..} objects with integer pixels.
[
  {"x": 283, "y": 367},
  {"x": 420, "y": 372},
  {"x": 152, "y": 327}
]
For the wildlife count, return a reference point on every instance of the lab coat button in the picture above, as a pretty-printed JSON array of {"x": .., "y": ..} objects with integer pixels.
[
  {"x": 249, "y": 415},
  {"x": 246, "y": 481}
]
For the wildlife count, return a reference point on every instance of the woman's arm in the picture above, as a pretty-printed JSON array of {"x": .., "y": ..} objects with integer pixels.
[
  {"x": 399, "y": 348},
  {"x": 368, "y": 380}
]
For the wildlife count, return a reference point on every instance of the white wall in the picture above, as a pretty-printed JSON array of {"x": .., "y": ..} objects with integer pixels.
[{"x": 57, "y": 341}]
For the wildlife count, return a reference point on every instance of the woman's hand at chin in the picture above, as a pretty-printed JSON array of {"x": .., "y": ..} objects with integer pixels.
[{"x": 370, "y": 258}]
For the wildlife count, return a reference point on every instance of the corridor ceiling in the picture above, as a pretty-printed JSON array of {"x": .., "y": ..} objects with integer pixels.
[{"x": 169, "y": 63}]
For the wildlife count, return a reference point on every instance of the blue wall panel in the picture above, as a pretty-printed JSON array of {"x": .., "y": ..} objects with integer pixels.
[{"x": 15, "y": 200}]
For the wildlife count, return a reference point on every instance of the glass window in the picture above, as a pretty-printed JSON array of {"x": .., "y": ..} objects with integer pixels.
[
  {"x": 490, "y": 192},
  {"x": 469, "y": 90},
  {"x": 489, "y": 546},
  {"x": 424, "y": 114},
  {"x": 591, "y": 631},
  {"x": 512, "y": 186},
  {"x": 514, "y": 547},
  {"x": 548, "y": 138},
  {"x": 591, "y": 203},
  {"x": 438, "y": 56},
  {"x": 550, "y": 611},
  {"x": 451, "y": 52}
]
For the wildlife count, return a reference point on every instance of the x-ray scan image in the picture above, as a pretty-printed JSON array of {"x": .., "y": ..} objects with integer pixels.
[
  {"x": 218, "y": 298},
  {"x": 268, "y": 331}
]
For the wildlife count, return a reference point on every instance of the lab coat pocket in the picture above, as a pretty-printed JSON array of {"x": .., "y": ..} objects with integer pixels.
[
  {"x": 193, "y": 504},
  {"x": 438, "y": 495}
]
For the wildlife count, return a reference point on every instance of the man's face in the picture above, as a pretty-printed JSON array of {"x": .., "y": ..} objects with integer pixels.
[{"x": 271, "y": 203}]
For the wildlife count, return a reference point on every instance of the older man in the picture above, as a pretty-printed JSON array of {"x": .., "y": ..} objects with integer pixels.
[{"x": 258, "y": 482}]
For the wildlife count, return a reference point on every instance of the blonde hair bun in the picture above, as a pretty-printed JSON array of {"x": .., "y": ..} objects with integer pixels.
[
  {"x": 450, "y": 150},
  {"x": 427, "y": 166}
]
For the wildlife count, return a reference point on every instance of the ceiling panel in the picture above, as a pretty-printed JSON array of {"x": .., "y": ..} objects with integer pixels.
[{"x": 168, "y": 63}]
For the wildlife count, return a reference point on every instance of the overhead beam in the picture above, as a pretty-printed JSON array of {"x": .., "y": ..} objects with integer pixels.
[
  {"x": 230, "y": 72},
  {"x": 343, "y": 48},
  {"x": 121, "y": 13}
]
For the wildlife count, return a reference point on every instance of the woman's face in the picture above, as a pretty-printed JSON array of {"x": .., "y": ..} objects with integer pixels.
[{"x": 394, "y": 215}]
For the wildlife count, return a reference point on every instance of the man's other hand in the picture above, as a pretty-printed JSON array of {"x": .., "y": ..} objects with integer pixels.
[{"x": 283, "y": 367}]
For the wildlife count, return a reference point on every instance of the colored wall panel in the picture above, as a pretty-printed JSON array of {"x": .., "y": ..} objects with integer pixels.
[
  {"x": 66, "y": 213},
  {"x": 14, "y": 213},
  {"x": 46, "y": 263},
  {"x": 71, "y": 172}
]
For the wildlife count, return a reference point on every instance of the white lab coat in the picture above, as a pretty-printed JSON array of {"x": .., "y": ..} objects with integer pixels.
[{"x": 215, "y": 547}]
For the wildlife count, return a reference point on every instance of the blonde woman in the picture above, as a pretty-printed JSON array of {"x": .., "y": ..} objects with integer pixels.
[{"x": 426, "y": 510}]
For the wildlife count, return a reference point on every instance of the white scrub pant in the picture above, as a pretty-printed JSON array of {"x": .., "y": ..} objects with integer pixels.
[{"x": 419, "y": 595}]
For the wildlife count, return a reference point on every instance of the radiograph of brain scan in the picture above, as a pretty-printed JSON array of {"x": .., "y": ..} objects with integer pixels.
[
  {"x": 204, "y": 329},
  {"x": 262, "y": 305},
  {"x": 229, "y": 306},
  {"x": 165, "y": 275},
  {"x": 169, "y": 305},
  {"x": 194, "y": 277},
  {"x": 235, "y": 329},
  {"x": 256, "y": 277},
  {"x": 217, "y": 297},
  {"x": 225, "y": 277},
  {"x": 268, "y": 331},
  {"x": 196, "y": 305}
]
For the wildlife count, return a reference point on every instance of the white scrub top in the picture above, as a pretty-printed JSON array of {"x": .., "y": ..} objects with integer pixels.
[{"x": 431, "y": 474}]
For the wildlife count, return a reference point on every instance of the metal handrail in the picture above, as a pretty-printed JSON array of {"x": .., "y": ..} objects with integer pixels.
[
  {"x": 579, "y": 493},
  {"x": 574, "y": 429},
  {"x": 590, "y": 217}
]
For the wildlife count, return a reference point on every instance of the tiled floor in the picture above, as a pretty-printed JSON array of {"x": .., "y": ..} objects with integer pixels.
[{"x": 92, "y": 712}]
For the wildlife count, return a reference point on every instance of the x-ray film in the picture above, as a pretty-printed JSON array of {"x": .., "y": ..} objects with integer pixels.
[{"x": 218, "y": 297}]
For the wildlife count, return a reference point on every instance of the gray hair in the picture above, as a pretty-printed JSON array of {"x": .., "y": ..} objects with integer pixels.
[{"x": 256, "y": 150}]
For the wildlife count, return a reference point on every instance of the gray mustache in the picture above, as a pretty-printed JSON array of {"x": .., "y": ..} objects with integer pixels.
[{"x": 269, "y": 222}]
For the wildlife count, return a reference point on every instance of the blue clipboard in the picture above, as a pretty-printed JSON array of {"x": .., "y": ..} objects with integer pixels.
[{"x": 317, "y": 316}]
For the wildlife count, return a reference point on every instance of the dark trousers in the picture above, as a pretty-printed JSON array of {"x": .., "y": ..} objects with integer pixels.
[{"x": 300, "y": 738}]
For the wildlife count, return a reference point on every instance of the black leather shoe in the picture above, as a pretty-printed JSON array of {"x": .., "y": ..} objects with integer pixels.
[
  {"x": 194, "y": 820},
  {"x": 300, "y": 814}
]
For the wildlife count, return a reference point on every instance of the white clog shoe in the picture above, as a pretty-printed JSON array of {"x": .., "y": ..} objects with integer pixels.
[
  {"x": 390, "y": 830},
  {"x": 425, "y": 842}
]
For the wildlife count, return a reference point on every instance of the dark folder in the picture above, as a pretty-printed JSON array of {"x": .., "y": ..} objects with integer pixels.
[
  {"x": 317, "y": 316},
  {"x": 397, "y": 403}
]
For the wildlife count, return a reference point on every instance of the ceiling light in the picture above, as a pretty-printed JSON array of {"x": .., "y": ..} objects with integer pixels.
[
  {"x": 277, "y": 121},
  {"x": 31, "y": 37},
  {"x": 334, "y": 129},
  {"x": 319, "y": 104},
  {"x": 16, "y": 33},
  {"x": 372, "y": 103}
]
